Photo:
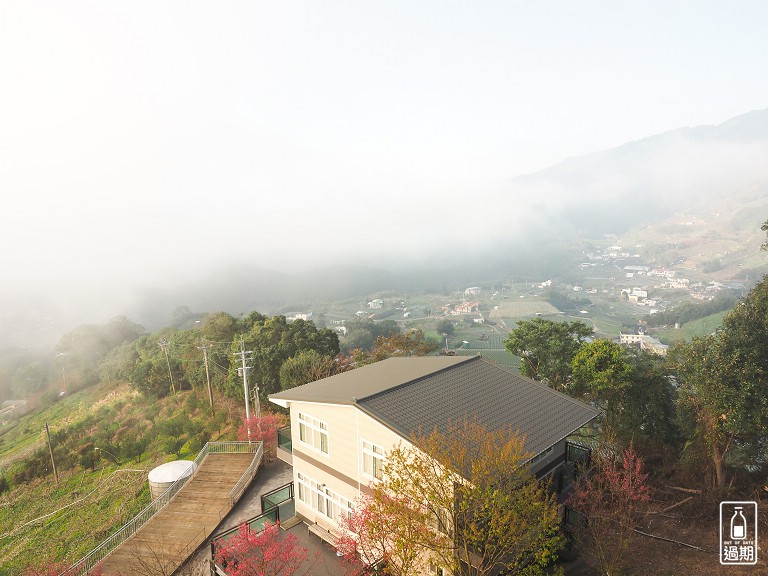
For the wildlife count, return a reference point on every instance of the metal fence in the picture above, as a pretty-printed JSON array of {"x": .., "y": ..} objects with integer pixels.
[
  {"x": 83, "y": 566},
  {"x": 277, "y": 496},
  {"x": 276, "y": 504}
]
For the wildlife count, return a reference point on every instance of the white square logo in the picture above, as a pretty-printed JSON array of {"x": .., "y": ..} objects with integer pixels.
[{"x": 738, "y": 533}]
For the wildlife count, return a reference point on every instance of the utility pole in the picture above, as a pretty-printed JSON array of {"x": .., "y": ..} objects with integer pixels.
[
  {"x": 164, "y": 345},
  {"x": 50, "y": 449},
  {"x": 204, "y": 348},
  {"x": 244, "y": 356}
]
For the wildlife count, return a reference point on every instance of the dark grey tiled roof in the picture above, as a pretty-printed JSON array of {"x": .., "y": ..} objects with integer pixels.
[
  {"x": 368, "y": 380},
  {"x": 479, "y": 389}
]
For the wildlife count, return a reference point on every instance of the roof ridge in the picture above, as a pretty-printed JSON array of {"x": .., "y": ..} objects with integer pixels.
[{"x": 417, "y": 379}]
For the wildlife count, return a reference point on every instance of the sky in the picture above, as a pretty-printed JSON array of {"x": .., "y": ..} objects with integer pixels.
[{"x": 150, "y": 142}]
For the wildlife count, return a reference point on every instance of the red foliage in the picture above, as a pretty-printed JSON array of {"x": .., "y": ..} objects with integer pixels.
[
  {"x": 617, "y": 486},
  {"x": 610, "y": 497},
  {"x": 262, "y": 429},
  {"x": 265, "y": 553}
]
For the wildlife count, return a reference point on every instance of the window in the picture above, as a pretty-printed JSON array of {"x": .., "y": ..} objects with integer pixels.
[
  {"x": 436, "y": 570},
  {"x": 322, "y": 499},
  {"x": 313, "y": 433},
  {"x": 541, "y": 455},
  {"x": 373, "y": 460},
  {"x": 441, "y": 520}
]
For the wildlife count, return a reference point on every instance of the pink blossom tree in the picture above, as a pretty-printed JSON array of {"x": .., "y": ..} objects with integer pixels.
[
  {"x": 265, "y": 553},
  {"x": 263, "y": 429},
  {"x": 610, "y": 497}
]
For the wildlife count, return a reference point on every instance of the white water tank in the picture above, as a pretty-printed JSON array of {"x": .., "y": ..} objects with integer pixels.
[{"x": 161, "y": 478}]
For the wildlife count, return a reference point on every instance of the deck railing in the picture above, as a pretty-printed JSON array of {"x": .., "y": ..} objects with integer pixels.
[{"x": 83, "y": 566}]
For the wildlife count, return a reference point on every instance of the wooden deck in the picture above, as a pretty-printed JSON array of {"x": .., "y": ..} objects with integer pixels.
[{"x": 174, "y": 533}]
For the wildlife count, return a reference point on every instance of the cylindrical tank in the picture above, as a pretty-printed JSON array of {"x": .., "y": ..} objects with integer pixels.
[{"x": 161, "y": 478}]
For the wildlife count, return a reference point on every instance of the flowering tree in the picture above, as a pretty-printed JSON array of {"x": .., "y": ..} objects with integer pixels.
[
  {"x": 462, "y": 499},
  {"x": 610, "y": 497},
  {"x": 262, "y": 429},
  {"x": 384, "y": 528},
  {"x": 265, "y": 553}
]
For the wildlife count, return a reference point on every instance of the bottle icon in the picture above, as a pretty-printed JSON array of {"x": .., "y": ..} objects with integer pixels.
[{"x": 738, "y": 525}]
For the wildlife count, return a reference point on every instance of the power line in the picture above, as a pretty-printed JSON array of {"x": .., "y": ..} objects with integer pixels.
[
  {"x": 164, "y": 345},
  {"x": 245, "y": 355},
  {"x": 205, "y": 348}
]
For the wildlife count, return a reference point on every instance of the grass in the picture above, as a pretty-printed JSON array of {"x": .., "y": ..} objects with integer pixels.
[
  {"x": 42, "y": 520},
  {"x": 515, "y": 309},
  {"x": 690, "y": 330}
]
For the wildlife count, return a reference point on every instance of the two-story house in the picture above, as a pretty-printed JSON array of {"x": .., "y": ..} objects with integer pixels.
[{"x": 343, "y": 426}]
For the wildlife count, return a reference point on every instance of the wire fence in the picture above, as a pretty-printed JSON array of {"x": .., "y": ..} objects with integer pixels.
[{"x": 88, "y": 563}]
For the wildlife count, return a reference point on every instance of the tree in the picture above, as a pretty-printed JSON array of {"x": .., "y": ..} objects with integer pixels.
[
  {"x": 648, "y": 417},
  {"x": 723, "y": 379},
  {"x": 764, "y": 228},
  {"x": 370, "y": 538},
  {"x": 635, "y": 391},
  {"x": 610, "y": 497},
  {"x": 445, "y": 326},
  {"x": 483, "y": 508},
  {"x": 273, "y": 341},
  {"x": 547, "y": 348},
  {"x": 600, "y": 371},
  {"x": 265, "y": 553},
  {"x": 307, "y": 366},
  {"x": 263, "y": 429}
]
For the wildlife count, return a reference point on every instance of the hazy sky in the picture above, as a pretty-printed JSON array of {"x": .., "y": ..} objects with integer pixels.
[{"x": 143, "y": 141}]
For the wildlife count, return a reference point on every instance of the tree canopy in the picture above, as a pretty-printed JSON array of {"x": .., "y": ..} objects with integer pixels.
[
  {"x": 723, "y": 383},
  {"x": 546, "y": 348},
  {"x": 463, "y": 499}
]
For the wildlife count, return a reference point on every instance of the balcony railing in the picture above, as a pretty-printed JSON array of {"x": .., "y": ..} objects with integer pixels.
[
  {"x": 277, "y": 504},
  {"x": 284, "y": 439},
  {"x": 285, "y": 445}
]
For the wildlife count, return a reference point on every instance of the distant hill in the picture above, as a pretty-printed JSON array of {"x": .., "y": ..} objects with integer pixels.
[
  {"x": 652, "y": 179},
  {"x": 693, "y": 196}
]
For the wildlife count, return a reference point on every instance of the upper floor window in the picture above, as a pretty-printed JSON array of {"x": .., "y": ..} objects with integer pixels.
[
  {"x": 313, "y": 433},
  {"x": 373, "y": 460},
  {"x": 322, "y": 499}
]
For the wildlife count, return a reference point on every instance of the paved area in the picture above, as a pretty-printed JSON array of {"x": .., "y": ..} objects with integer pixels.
[
  {"x": 165, "y": 542},
  {"x": 321, "y": 558}
]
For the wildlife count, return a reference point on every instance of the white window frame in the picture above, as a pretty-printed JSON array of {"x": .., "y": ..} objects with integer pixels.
[
  {"x": 313, "y": 433},
  {"x": 374, "y": 454},
  {"x": 322, "y": 499},
  {"x": 436, "y": 570}
]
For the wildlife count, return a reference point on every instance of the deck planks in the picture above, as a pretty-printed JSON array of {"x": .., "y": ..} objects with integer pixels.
[{"x": 163, "y": 544}]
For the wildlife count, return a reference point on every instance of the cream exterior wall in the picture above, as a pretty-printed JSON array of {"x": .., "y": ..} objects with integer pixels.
[{"x": 348, "y": 426}]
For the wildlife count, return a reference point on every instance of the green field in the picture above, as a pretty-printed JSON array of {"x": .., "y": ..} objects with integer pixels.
[
  {"x": 515, "y": 309},
  {"x": 690, "y": 330}
]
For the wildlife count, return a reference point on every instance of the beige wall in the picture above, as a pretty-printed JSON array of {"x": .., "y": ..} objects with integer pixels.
[{"x": 341, "y": 470}]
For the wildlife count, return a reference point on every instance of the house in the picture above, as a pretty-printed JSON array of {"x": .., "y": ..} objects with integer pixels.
[
  {"x": 299, "y": 316},
  {"x": 644, "y": 342},
  {"x": 466, "y": 308},
  {"x": 342, "y": 427}
]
